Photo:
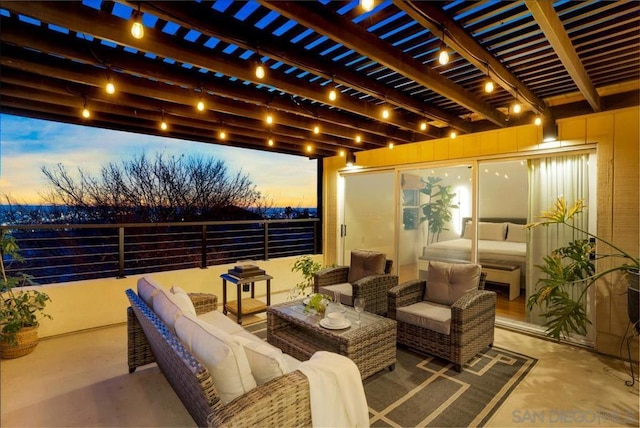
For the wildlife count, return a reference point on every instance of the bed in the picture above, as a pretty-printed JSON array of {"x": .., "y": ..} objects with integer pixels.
[{"x": 501, "y": 247}]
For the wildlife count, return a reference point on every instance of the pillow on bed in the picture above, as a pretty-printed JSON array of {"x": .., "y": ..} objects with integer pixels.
[
  {"x": 487, "y": 231},
  {"x": 515, "y": 233}
]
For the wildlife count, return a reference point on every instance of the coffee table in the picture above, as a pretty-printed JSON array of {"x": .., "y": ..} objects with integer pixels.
[{"x": 372, "y": 345}]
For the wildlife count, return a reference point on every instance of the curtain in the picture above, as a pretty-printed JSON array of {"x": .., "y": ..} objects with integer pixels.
[{"x": 550, "y": 178}]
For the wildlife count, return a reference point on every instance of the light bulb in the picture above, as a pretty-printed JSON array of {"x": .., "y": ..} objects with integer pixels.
[
  {"x": 110, "y": 88},
  {"x": 270, "y": 142},
  {"x": 358, "y": 138},
  {"x": 137, "y": 30},
  {"x": 163, "y": 125},
  {"x": 453, "y": 134},
  {"x": 367, "y": 5},
  {"x": 537, "y": 121},
  {"x": 309, "y": 148},
  {"x": 341, "y": 153},
  {"x": 86, "y": 113},
  {"x": 489, "y": 86},
  {"x": 443, "y": 55},
  {"x": 260, "y": 72},
  {"x": 390, "y": 146},
  {"x": 200, "y": 105},
  {"x": 269, "y": 119},
  {"x": 517, "y": 108},
  {"x": 222, "y": 135},
  {"x": 385, "y": 113},
  {"x": 423, "y": 125},
  {"x": 333, "y": 94},
  {"x": 316, "y": 129}
]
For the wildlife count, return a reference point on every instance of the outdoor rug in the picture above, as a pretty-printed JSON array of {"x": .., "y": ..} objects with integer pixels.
[{"x": 427, "y": 391}]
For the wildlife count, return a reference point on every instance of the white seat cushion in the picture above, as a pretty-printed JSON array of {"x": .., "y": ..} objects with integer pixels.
[
  {"x": 147, "y": 288},
  {"x": 223, "y": 356},
  {"x": 431, "y": 316},
  {"x": 221, "y": 321},
  {"x": 345, "y": 289},
  {"x": 266, "y": 361}
]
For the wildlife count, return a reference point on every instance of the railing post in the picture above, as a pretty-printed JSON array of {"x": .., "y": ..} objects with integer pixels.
[
  {"x": 266, "y": 240},
  {"x": 203, "y": 260},
  {"x": 121, "y": 252}
]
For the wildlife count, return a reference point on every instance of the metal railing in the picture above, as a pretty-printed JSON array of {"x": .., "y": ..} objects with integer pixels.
[{"x": 55, "y": 253}]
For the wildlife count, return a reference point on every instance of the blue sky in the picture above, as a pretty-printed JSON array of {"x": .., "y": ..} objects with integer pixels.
[{"x": 26, "y": 145}]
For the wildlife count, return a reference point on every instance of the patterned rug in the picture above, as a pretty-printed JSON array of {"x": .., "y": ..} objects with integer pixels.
[{"x": 427, "y": 391}]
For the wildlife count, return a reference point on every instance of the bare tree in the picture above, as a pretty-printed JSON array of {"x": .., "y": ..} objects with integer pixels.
[{"x": 174, "y": 188}]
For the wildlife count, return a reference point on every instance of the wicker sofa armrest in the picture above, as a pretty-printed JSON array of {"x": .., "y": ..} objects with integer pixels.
[
  {"x": 374, "y": 289},
  {"x": 204, "y": 302},
  {"x": 473, "y": 313},
  {"x": 282, "y": 402},
  {"x": 405, "y": 294},
  {"x": 330, "y": 276}
]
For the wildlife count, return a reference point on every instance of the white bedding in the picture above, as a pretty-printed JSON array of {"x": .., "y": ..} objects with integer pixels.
[{"x": 500, "y": 252}]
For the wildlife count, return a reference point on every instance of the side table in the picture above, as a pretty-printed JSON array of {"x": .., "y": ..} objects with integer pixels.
[{"x": 246, "y": 306}]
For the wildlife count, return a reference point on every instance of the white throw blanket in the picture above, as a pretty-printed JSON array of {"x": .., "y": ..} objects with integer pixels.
[{"x": 336, "y": 391}]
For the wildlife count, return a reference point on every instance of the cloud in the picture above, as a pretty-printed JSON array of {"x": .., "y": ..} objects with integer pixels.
[{"x": 26, "y": 145}]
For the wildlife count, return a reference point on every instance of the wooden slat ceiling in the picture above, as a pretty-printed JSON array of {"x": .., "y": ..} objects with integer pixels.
[{"x": 556, "y": 58}]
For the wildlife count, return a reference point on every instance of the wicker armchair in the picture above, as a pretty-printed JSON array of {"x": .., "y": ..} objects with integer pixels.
[
  {"x": 422, "y": 325},
  {"x": 372, "y": 287}
]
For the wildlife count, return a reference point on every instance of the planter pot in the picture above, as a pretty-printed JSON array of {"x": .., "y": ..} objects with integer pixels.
[{"x": 27, "y": 339}]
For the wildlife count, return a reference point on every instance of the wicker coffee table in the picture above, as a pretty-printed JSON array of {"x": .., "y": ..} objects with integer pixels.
[{"x": 372, "y": 345}]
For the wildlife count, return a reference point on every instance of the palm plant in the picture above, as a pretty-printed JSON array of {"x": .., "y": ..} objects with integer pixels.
[{"x": 571, "y": 265}]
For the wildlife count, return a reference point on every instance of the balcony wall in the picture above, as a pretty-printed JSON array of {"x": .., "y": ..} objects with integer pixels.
[{"x": 82, "y": 305}]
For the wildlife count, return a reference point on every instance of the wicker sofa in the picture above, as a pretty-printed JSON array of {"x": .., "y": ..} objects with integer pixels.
[{"x": 283, "y": 401}]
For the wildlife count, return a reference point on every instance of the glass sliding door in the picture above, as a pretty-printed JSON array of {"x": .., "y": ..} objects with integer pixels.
[
  {"x": 369, "y": 214},
  {"x": 434, "y": 204}
]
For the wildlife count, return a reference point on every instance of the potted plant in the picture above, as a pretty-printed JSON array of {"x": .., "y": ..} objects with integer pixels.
[
  {"x": 308, "y": 267},
  {"x": 570, "y": 265},
  {"x": 437, "y": 210},
  {"x": 20, "y": 309}
]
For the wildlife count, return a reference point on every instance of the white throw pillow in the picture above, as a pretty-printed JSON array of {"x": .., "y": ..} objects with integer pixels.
[
  {"x": 166, "y": 308},
  {"x": 516, "y": 233},
  {"x": 147, "y": 288},
  {"x": 183, "y": 300},
  {"x": 220, "y": 354},
  {"x": 266, "y": 361}
]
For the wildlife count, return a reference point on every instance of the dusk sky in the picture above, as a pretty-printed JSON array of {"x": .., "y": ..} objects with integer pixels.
[{"x": 26, "y": 145}]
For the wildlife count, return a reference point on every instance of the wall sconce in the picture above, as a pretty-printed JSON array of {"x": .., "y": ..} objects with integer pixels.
[
  {"x": 350, "y": 158},
  {"x": 137, "y": 29}
]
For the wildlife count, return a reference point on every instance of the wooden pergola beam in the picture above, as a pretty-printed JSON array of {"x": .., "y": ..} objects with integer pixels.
[
  {"x": 554, "y": 31},
  {"x": 355, "y": 37}
]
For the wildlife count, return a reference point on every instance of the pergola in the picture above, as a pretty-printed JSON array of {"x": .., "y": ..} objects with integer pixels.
[{"x": 554, "y": 59}]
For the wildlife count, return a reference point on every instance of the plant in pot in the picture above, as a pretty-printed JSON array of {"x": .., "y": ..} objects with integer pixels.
[
  {"x": 308, "y": 268},
  {"x": 574, "y": 265},
  {"x": 21, "y": 309},
  {"x": 437, "y": 210}
]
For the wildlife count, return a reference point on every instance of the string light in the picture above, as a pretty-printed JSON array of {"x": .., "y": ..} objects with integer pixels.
[
  {"x": 163, "y": 124},
  {"x": 358, "y": 139},
  {"x": 443, "y": 55},
  {"x": 341, "y": 153},
  {"x": 222, "y": 134},
  {"x": 270, "y": 142},
  {"x": 269, "y": 119},
  {"x": 489, "y": 86},
  {"x": 110, "y": 88},
  {"x": 200, "y": 105},
  {"x": 316, "y": 129},
  {"x": 260, "y": 70},
  {"x": 517, "y": 108},
  {"x": 537, "y": 121},
  {"x": 333, "y": 92},
  {"x": 386, "y": 112},
  {"x": 391, "y": 146},
  {"x": 85, "y": 110},
  {"x": 309, "y": 148},
  {"x": 453, "y": 134},
  {"x": 367, "y": 5},
  {"x": 137, "y": 29},
  {"x": 423, "y": 125}
]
